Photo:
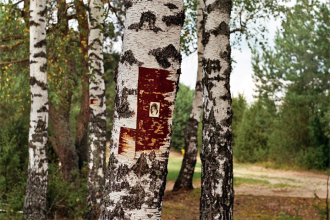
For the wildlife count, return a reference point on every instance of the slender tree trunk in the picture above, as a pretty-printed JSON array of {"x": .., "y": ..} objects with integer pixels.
[
  {"x": 185, "y": 179},
  {"x": 217, "y": 194},
  {"x": 147, "y": 81},
  {"x": 62, "y": 142},
  {"x": 81, "y": 140},
  {"x": 97, "y": 131},
  {"x": 36, "y": 187}
]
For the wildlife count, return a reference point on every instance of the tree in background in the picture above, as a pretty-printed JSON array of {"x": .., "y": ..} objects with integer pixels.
[
  {"x": 239, "y": 105},
  {"x": 36, "y": 187},
  {"x": 97, "y": 104},
  {"x": 185, "y": 178},
  {"x": 217, "y": 194},
  {"x": 147, "y": 81},
  {"x": 181, "y": 113},
  {"x": 243, "y": 23},
  {"x": 252, "y": 133},
  {"x": 295, "y": 75}
]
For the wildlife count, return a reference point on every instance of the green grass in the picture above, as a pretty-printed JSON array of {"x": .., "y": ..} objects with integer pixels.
[{"x": 174, "y": 166}]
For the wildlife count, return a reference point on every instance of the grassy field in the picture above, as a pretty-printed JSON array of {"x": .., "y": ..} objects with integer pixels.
[{"x": 185, "y": 205}]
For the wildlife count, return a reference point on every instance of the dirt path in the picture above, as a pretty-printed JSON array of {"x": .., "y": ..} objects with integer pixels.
[
  {"x": 257, "y": 180},
  {"x": 282, "y": 182}
]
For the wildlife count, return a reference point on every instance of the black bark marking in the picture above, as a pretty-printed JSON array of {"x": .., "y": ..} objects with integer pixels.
[
  {"x": 42, "y": 109},
  {"x": 95, "y": 56},
  {"x": 43, "y": 12},
  {"x": 141, "y": 167},
  {"x": 223, "y": 29},
  {"x": 128, "y": 56},
  {"x": 163, "y": 54},
  {"x": 128, "y": 4},
  {"x": 34, "y": 81},
  {"x": 136, "y": 196},
  {"x": 33, "y": 61},
  {"x": 211, "y": 65},
  {"x": 171, "y": 6},
  {"x": 122, "y": 105},
  {"x": 41, "y": 54},
  {"x": 146, "y": 17},
  {"x": 43, "y": 68},
  {"x": 33, "y": 23},
  {"x": 177, "y": 19},
  {"x": 222, "y": 5},
  {"x": 135, "y": 199}
]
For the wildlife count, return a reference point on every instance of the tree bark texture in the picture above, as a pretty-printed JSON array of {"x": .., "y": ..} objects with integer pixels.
[
  {"x": 36, "y": 187},
  {"x": 185, "y": 179},
  {"x": 97, "y": 133},
  {"x": 147, "y": 82},
  {"x": 217, "y": 194},
  {"x": 81, "y": 141},
  {"x": 62, "y": 142}
]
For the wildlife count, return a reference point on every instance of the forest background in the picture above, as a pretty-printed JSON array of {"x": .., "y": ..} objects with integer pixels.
[{"x": 287, "y": 125}]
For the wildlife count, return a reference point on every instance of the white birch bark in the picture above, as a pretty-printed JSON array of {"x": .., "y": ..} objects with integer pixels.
[
  {"x": 135, "y": 181},
  {"x": 217, "y": 194},
  {"x": 36, "y": 188},
  {"x": 97, "y": 132},
  {"x": 185, "y": 179}
]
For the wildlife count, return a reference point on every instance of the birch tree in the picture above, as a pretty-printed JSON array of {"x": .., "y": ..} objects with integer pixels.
[
  {"x": 147, "y": 81},
  {"x": 185, "y": 179},
  {"x": 217, "y": 194},
  {"x": 36, "y": 187},
  {"x": 97, "y": 132}
]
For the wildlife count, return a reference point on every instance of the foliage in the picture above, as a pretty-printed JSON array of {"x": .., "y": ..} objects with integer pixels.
[
  {"x": 65, "y": 199},
  {"x": 181, "y": 114},
  {"x": 110, "y": 65},
  {"x": 252, "y": 134},
  {"x": 295, "y": 76},
  {"x": 238, "y": 105},
  {"x": 13, "y": 163}
]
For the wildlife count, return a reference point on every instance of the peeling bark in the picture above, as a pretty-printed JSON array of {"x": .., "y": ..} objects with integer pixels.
[
  {"x": 97, "y": 131},
  {"x": 146, "y": 89},
  {"x": 36, "y": 187},
  {"x": 185, "y": 178},
  {"x": 217, "y": 194}
]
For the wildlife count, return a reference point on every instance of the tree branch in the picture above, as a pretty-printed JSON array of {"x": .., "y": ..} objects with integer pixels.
[
  {"x": 14, "y": 37},
  {"x": 114, "y": 10},
  {"x": 16, "y": 61},
  {"x": 7, "y": 47}
]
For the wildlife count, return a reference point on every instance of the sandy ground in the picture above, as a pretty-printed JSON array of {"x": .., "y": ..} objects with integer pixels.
[{"x": 286, "y": 183}]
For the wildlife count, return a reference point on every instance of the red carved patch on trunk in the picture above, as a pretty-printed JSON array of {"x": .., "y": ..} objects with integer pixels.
[
  {"x": 126, "y": 140},
  {"x": 153, "y": 88},
  {"x": 153, "y": 112}
]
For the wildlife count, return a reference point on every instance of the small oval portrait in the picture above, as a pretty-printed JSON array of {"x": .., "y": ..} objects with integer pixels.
[{"x": 154, "y": 109}]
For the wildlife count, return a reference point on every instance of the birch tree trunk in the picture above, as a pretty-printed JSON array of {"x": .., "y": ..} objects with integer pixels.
[
  {"x": 97, "y": 134},
  {"x": 147, "y": 81},
  {"x": 185, "y": 179},
  {"x": 217, "y": 194},
  {"x": 36, "y": 187}
]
